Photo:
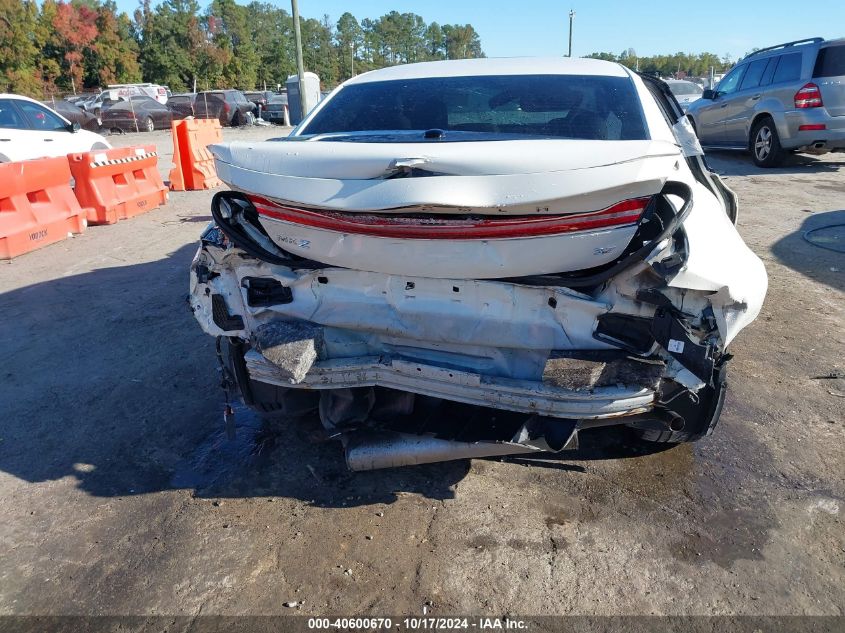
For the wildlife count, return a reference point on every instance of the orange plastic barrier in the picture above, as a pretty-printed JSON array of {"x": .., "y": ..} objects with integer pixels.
[
  {"x": 116, "y": 184},
  {"x": 193, "y": 165},
  {"x": 37, "y": 205}
]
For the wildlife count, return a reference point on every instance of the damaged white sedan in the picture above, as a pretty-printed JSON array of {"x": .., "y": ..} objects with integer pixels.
[{"x": 538, "y": 236}]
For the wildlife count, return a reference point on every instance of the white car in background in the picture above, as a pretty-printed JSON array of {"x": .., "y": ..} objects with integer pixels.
[
  {"x": 536, "y": 236},
  {"x": 29, "y": 129},
  {"x": 685, "y": 91}
]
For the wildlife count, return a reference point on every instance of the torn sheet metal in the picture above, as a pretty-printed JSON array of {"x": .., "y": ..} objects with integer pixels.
[
  {"x": 719, "y": 261},
  {"x": 687, "y": 139}
]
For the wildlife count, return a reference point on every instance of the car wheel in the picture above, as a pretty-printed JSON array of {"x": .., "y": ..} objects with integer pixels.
[
  {"x": 698, "y": 415},
  {"x": 765, "y": 144},
  {"x": 149, "y": 125},
  {"x": 249, "y": 118},
  {"x": 271, "y": 402}
]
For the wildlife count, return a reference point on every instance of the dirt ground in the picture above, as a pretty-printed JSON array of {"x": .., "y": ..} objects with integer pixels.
[{"x": 120, "y": 493}]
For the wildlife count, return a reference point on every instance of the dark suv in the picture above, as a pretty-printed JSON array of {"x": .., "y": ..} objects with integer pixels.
[
  {"x": 231, "y": 107},
  {"x": 182, "y": 105},
  {"x": 781, "y": 99},
  {"x": 259, "y": 98}
]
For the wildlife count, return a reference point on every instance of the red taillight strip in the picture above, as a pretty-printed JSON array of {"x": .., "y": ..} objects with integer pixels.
[
  {"x": 446, "y": 227},
  {"x": 809, "y": 96}
]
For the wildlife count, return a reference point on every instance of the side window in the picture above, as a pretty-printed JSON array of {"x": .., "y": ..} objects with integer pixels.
[
  {"x": 41, "y": 118},
  {"x": 789, "y": 68},
  {"x": 766, "y": 79},
  {"x": 9, "y": 116},
  {"x": 730, "y": 82},
  {"x": 754, "y": 74}
]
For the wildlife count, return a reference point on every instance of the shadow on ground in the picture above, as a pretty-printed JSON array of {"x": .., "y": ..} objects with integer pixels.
[
  {"x": 817, "y": 263},
  {"x": 733, "y": 163}
]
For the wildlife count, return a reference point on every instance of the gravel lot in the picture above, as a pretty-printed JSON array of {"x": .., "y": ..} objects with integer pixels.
[{"x": 120, "y": 493}]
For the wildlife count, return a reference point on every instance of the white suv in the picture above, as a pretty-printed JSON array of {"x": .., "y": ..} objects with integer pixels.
[{"x": 29, "y": 129}]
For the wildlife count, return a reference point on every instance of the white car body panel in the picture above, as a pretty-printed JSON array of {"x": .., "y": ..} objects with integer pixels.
[{"x": 25, "y": 144}]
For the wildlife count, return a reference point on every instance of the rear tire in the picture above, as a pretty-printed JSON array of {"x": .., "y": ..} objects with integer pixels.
[
  {"x": 700, "y": 416},
  {"x": 149, "y": 125},
  {"x": 665, "y": 437},
  {"x": 766, "y": 150},
  {"x": 248, "y": 119},
  {"x": 271, "y": 402}
]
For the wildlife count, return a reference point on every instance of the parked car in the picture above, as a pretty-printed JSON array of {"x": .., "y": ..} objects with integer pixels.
[
  {"x": 99, "y": 102},
  {"x": 136, "y": 114},
  {"x": 259, "y": 98},
  {"x": 277, "y": 110},
  {"x": 229, "y": 106},
  {"x": 182, "y": 105},
  {"x": 780, "y": 99},
  {"x": 685, "y": 91},
  {"x": 29, "y": 129},
  {"x": 78, "y": 99},
  {"x": 75, "y": 114},
  {"x": 539, "y": 236},
  {"x": 154, "y": 91}
]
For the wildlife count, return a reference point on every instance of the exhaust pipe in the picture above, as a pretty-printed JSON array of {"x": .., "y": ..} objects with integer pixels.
[{"x": 388, "y": 450}]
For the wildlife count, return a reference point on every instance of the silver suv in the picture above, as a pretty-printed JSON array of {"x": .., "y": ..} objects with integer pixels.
[{"x": 781, "y": 99}]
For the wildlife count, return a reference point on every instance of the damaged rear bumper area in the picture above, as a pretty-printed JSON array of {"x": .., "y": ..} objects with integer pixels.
[{"x": 397, "y": 365}]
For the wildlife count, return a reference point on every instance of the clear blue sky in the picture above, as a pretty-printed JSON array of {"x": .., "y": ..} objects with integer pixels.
[{"x": 540, "y": 27}]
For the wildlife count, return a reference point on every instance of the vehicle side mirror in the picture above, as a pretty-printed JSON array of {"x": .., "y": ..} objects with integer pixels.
[
  {"x": 74, "y": 127},
  {"x": 709, "y": 94}
]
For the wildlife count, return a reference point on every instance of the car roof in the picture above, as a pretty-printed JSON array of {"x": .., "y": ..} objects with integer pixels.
[
  {"x": 9, "y": 95},
  {"x": 495, "y": 66}
]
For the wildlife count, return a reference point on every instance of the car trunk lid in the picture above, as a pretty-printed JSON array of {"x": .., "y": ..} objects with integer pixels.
[{"x": 451, "y": 209}]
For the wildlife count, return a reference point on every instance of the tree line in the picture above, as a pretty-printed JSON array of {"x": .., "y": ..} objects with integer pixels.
[
  {"x": 693, "y": 65},
  {"x": 63, "y": 47}
]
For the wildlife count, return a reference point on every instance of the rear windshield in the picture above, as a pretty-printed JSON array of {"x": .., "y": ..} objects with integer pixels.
[
  {"x": 216, "y": 97},
  {"x": 830, "y": 62},
  {"x": 509, "y": 106},
  {"x": 179, "y": 100}
]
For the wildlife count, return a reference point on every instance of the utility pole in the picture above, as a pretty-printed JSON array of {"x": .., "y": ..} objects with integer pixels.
[
  {"x": 571, "y": 18},
  {"x": 300, "y": 67}
]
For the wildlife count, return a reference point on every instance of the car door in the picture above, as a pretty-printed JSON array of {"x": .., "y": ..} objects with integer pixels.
[
  {"x": 49, "y": 133},
  {"x": 17, "y": 141},
  {"x": 739, "y": 106},
  {"x": 711, "y": 120},
  {"x": 161, "y": 114}
]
